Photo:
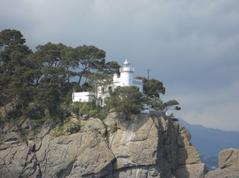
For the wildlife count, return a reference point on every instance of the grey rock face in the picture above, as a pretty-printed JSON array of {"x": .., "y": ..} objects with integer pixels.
[
  {"x": 229, "y": 158},
  {"x": 228, "y": 165},
  {"x": 140, "y": 147}
]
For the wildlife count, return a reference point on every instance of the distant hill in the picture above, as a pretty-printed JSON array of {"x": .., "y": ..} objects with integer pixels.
[{"x": 210, "y": 141}]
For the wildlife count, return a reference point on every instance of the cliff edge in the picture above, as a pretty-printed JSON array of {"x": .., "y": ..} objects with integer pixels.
[{"x": 142, "y": 146}]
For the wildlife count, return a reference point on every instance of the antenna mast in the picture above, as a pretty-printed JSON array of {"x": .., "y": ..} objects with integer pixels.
[{"x": 148, "y": 70}]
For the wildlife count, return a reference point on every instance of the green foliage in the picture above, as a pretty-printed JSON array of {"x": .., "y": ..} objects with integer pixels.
[
  {"x": 69, "y": 126},
  {"x": 40, "y": 83},
  {"x": 99, "y": 79},
  {"x": 10, "y": 37},
  {"x": 89, "y": 109},
  {"x": 15, "y": 69},
  {"x": 34, "y": 111},
  {"x": 153, "y": 87},
  {"x": 75, "y": 108},
  {"x": 111, "y": 67},
  {"x": 127, "y": 100},
  {"x": 88, "y": 59},
  {"x": 87, "y": 86},
  {"x": 155, "y": 103}
]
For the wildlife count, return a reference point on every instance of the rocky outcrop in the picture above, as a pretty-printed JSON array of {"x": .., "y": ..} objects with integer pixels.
[
  {"x": 228, "y": 165},
  {"x": 137, "y": 147}
]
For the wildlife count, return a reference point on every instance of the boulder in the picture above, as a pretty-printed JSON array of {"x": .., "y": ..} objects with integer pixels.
[
  {"x": 191, "y": 171},
  {"x": 229, "y": 158},
  {"x": 228, "y": 165}
]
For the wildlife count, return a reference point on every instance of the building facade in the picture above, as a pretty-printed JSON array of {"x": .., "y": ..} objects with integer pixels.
[{"x": 83, "y": 97}]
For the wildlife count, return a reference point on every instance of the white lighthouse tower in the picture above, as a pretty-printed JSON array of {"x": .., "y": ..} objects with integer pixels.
[
  {"x": 126, "y": 77},
  {"x": 126, "y": 74}
]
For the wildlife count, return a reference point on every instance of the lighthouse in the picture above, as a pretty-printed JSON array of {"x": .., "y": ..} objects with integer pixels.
[
  {"x": 124, "y": 78},
  {"x": 126, "y": 74}
]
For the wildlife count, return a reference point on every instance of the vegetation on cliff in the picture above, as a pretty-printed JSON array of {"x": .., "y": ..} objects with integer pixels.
[
  {"x": 128, "y": 100},
  {"x": 38, "y": 84}
]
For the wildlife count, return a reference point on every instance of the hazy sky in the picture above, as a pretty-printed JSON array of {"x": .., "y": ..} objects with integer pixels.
[{"x": 191, "y": 45}]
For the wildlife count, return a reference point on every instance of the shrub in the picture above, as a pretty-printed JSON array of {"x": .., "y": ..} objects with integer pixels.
[
  {"x": 128, "y": 100},
  {"x": 68, "y": 127},
  {"x": 90, "y": 109}
]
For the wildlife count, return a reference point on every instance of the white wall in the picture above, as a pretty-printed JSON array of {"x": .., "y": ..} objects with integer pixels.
[{"x": 82, "y": 97}]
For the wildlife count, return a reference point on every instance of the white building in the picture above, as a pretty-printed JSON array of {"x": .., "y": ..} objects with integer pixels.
[
  {"x": 124, "y": 78},
  {"x": 83, "y": 97}
]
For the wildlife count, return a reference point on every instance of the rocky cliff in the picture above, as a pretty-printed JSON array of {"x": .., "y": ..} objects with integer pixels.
[
  {"x": 142, "y": 146},
  {"x": 228, "y": 165}
]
